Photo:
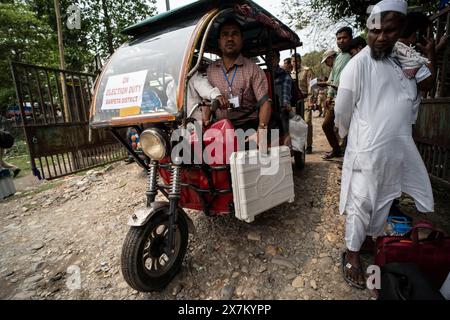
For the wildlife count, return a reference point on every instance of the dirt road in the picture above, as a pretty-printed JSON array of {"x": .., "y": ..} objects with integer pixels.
[{"x": 290, "y": 252}]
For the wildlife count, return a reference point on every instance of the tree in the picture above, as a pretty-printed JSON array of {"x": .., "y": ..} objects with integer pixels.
[
  {"x": 315, "y": 23},
  {"x": 105, "y": 19},
  {"x": 23, "y": 37},
  {"x": 312, "y": 60},
  {"x": 76, "y": 44},
  {"x": 28, "y": 34},
  {"x": 336, "y": 10},
  {"x": 101, "y": 24}
]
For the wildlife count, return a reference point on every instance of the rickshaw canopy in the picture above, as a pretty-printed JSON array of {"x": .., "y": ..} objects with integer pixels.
[{"x": 283, "y": 37}]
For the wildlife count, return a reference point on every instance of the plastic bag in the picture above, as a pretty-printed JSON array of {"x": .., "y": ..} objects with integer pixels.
[{"x": 298, "y": 130}]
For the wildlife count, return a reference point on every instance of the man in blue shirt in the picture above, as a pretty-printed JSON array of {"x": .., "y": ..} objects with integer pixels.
[{"x": 282, "y": 95}]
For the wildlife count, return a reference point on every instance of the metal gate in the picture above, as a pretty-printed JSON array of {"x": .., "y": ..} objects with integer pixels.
[
  {"x": 54, "y": 114},
  {"x": 432, "y": 129},
  {"x": 432, "y": 136}
]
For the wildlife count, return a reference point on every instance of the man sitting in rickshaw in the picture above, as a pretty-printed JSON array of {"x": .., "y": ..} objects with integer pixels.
[
  {"x": 240, "y": 81},
  {"x": 199, "y": 90},
  {"x": 283, "y": 87}
]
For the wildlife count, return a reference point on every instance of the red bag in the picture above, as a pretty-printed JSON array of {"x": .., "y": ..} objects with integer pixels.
[{"x": 431, "y": 254}]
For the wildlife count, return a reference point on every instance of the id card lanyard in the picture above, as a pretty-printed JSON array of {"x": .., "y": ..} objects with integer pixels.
[{"x": 230, "y": 84}]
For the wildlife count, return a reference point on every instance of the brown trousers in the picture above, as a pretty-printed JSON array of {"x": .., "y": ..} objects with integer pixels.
[
  {"x": 328, "y": 129},
  {"x": 308, "y": 121}
]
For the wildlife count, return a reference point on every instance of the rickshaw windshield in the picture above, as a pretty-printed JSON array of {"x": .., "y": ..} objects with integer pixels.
[{"x": 141, "y": 79}]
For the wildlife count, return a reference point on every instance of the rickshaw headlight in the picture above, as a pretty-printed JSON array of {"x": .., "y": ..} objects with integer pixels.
[{"x": 153, "y": 144}]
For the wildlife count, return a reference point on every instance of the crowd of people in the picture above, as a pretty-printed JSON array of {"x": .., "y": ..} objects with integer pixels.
[{"x": 368, "y": 81}]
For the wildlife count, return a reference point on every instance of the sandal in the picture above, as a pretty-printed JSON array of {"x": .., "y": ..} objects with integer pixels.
[
  {"x": 331, "y": 155},
  {"x": 359, "y": 270}
]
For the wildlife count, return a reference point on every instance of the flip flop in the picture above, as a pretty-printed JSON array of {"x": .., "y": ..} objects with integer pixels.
[
  {"x": 359, "y": 270},
  {"x": 330, "y": 155}
]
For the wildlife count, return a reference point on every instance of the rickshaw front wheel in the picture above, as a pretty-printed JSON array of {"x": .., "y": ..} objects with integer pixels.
[{"x": 145, "y": 264}]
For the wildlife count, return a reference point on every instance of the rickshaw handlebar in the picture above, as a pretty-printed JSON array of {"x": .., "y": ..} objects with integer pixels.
[{"x": 215, "y": 104}]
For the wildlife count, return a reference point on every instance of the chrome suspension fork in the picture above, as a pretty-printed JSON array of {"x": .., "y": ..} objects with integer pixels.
[
  {"x": 152, "y": 179},
  {"x": 174, "y": 197}
]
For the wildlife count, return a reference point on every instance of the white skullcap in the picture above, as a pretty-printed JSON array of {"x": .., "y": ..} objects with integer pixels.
[{"x": 374, "y": 20}]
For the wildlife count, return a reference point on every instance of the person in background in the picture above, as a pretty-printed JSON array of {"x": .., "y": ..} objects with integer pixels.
[
  {"x": 287, "y": 65},
  {"x": 304, "y": 78},
  {"x": 416, "y": 26},
  {"x": 321, "y": 97},
  {"x": 343, "y": 37},
  {"x": 6, "y": 142},
  {"x": 58, "y": 112},
  {"x": 328, "y": 58},
  {"x": 356, "y": 45},
  {"x": 283, "y": 85}
]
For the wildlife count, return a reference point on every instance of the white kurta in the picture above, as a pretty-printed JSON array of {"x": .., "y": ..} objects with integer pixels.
[{"x": 376, "y": 106}]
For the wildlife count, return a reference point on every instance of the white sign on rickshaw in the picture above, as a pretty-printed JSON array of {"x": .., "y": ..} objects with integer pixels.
[{"x": 124, "y": 90}]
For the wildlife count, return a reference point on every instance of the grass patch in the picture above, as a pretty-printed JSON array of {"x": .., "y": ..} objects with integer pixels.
[
  {"x": 41, "y": 188},
  {"x": 45, "y": 186},
  {"x": 97, "y": 168},
  {"x": 19, "y": 148},
  {"x": 23, "y": 162}
]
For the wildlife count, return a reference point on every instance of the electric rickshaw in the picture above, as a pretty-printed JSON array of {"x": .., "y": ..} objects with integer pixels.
[{"x": 144, "y": 86}]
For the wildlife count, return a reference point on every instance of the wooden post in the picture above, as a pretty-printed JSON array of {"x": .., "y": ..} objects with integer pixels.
[{"x": 61, "y": 61}]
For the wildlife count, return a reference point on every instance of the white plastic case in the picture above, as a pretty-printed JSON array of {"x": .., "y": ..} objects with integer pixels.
[{"x": 260, "y": 182}]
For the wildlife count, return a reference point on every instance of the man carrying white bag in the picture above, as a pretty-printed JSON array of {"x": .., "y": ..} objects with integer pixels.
[{"x": 298, "y": 129}]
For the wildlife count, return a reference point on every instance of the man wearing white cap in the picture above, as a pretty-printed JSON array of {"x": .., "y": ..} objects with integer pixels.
[{"x": 375, "y": 109}]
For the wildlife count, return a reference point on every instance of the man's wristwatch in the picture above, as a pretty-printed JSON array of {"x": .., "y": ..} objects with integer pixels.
[{"x": 262, "y": 125}]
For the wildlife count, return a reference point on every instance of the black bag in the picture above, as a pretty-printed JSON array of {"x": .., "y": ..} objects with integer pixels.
[
  {"x": 6, "y": 139},
  {"x": 405, "y": 281}
]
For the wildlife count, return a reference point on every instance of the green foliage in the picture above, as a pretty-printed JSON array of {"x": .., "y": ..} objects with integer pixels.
[
  {"x": 312, "y": 60},
  {"x": 305, "y": 12},
  {"x": 22, "y": 162},
  {"x": 105, "y": 19},
  {"x": 18, "y": 149},
  {"x": 23, "y": 37},
  {"x": 101, "y": 24},
  {"x": 18, "y": 155},
  {"x": 28, "y": 33},
  {"x": 76, "y": 53},
  {"x": 299, "y": 13}
]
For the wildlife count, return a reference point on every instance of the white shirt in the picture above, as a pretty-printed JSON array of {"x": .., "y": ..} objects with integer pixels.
[
  {"x": 199, "y": 88},
  {"x": 375, "y": 106}
]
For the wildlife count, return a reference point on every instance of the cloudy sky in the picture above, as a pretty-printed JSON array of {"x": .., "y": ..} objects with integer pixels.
[{"x": 272, "y": 6}]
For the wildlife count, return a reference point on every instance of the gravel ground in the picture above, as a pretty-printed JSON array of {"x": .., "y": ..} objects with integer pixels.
[{"x": 290, "y": 252}]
